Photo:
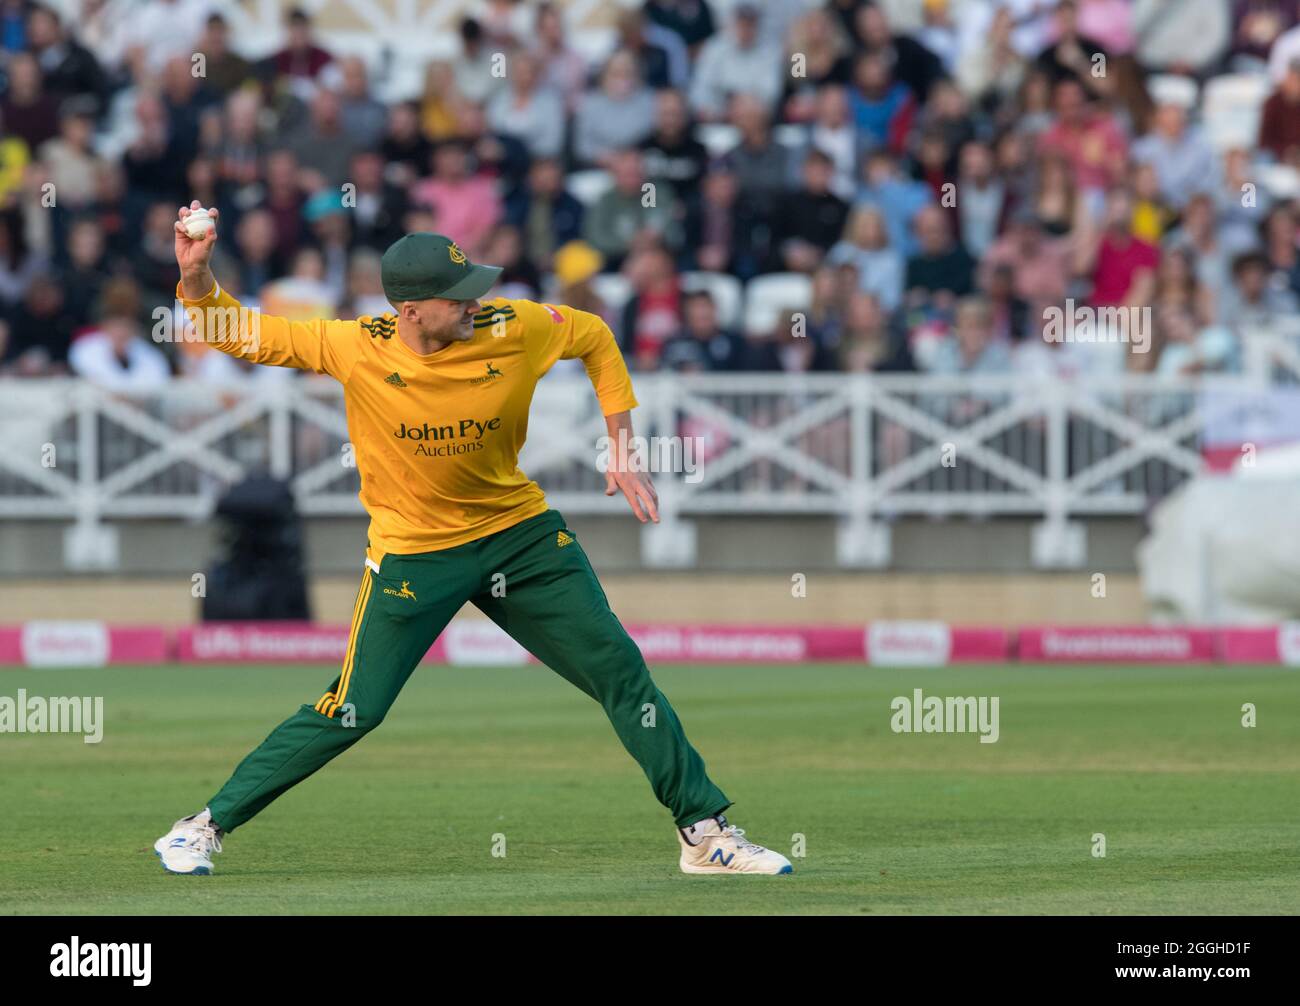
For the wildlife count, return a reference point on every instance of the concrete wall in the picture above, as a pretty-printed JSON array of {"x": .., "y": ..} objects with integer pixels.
[
  {"x": 831, "y": 598},
  {"x": 725, "y": 544},
  {"x": 962, "y": 571}
]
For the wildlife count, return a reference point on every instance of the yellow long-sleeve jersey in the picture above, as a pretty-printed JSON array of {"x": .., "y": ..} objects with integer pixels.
[{"x": 436, "y": 437}]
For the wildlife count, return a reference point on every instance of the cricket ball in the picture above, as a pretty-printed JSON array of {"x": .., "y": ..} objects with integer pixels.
[{"x": 198, "y": 224}]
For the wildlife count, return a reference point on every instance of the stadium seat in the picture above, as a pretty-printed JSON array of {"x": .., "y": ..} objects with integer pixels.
[
  {"x": 718, "y": 137},
  {"x": 1172, "y": 89},
  {"x": 1231, "y": 109},
  {"x": 1281, "y": 181},
  {"x": 613, "y": 288},
  {"x": 726, "y": 291},
  {"x": 594, "y": 45},
  {"x": 403, "y": 79},
  {"x": 588, "y": 186},
  {"x": 767, "y": 296}
]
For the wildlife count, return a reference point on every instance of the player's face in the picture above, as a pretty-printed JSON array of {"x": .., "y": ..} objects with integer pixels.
[{"x": 445, "y": 320}]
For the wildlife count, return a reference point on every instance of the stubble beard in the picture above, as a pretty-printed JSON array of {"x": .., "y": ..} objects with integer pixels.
[{"x": 433, "y": 341}]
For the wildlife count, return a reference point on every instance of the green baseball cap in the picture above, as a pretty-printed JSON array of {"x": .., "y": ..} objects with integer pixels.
[{"x": 423, "y": 265}]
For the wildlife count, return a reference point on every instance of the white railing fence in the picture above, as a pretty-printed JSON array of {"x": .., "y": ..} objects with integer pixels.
[{"x": 860, "y": 448}]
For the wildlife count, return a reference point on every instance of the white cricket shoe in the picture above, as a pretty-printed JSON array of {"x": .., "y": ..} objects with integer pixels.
[
  {"x": 189, "y": 846},
  {"x": 714, "y": 846}
]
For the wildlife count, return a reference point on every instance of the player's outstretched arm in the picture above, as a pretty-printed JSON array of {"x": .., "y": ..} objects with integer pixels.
[
  {"x": 327, "y": 347},
  {"x": 557, "y": 331}
]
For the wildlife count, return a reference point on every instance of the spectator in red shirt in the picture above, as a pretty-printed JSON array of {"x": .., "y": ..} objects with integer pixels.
[
  {"x": 1123, "y": 271},
  {"x": 654, "y": 313},
  {"x": 1279, "y": 125},
  {"x": 284, "y": 199},
  {"x": 464, "y": 201},
  {"x": 301, "y": 60},
  {"x": 1086, "y": 136},
  {"x": 29, "y": 110}
]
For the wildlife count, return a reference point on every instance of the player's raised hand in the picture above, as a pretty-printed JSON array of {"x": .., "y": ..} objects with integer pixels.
[{"x": 194, "y": 254}]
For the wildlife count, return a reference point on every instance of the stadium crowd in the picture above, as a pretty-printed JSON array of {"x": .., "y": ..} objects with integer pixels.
[{"x": 907, "y": 185}]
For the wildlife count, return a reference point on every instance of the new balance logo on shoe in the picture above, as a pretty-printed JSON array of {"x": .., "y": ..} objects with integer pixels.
[{"x": 713, "y": 846}]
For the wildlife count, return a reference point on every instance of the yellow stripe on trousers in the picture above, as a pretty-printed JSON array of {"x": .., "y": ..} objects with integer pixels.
[
  {"x": 350, "y": 660},
  {"x": 323, "y": 702},
  {"x": 330, "y": 701}
]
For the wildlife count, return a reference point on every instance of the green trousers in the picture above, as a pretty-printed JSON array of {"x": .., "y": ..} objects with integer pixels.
[{"x": 547, "y": 597}]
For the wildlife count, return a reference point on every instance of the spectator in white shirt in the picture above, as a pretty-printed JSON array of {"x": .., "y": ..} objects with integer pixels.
[
  {"x": 481, "y": 67},
  {"x": 364, "y": 117},
  {"x": 116, "y": 355},
  {"x": 528, "y": 110},
  {"x": 866, "y": 247},
  {"x": 563, "y": 68},
  {"x": 971, "y": 348},
  {"x": 1032, "y": 20},
  {"x": 1184, "y": 161},
  {"x": 832, "y": 132},
  {"x": 619, "y": 115},
  {"x": 938, "y": 33},
  {"x": 993, "y": 69},
  {"x": 163, "y": 29},
  {"x": 979, "y": 209},
  {"x": 1189, "y": 35},
  {"x": 102, "y": 27},
  {"x": 737, "y": 62}
]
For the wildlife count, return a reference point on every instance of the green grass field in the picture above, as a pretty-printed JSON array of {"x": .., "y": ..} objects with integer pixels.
[{"x": 1200, "y": 815}]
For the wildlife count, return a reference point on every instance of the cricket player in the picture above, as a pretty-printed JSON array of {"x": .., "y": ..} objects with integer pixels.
[{"x": 437, "y": 396}]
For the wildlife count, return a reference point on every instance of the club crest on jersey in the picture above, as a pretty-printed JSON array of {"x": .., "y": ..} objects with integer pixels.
[{"x": 491, "y": 375}]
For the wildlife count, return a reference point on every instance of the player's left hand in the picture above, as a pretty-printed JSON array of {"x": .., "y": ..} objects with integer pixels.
[{"x": 639, "y": 491}]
